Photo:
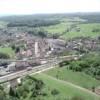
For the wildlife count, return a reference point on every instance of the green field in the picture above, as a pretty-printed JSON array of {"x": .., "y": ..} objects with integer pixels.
[
  {"x": 77, "y": 78},
  {"x": 8, "y": 50},
  {"x": 85, "y": 29},
  {"x": 59, "y": 28},
  {"x": 64, "y": 24},
  {"x": 66, "y": 90}
]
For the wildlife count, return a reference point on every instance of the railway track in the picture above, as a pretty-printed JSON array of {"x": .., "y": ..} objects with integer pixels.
[
  {"x": 39, "y": 59},
  {"x": 47, "y": 65}
]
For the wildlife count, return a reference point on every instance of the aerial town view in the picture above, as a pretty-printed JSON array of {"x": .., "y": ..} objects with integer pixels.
[{"x": 49, "y": 50}]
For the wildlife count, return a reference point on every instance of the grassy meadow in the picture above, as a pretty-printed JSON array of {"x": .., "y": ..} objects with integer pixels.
[
  {"x": 77, "y": 78},
  {"x": 66, "y": 91},
  {"x": 8, "y": 50}
]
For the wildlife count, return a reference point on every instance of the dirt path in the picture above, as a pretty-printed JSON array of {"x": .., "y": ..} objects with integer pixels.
[{"x": 71, "y": 84}]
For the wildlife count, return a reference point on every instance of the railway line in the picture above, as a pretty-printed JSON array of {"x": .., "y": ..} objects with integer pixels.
[
  {"x": 48, "y": 64},
  {"x": 39, "y": 59}
]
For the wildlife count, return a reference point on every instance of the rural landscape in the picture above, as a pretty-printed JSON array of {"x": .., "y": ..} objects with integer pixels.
[{"x": 50, "y": 57}]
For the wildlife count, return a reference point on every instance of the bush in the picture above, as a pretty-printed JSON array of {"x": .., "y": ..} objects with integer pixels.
[
  {"x": 55, "y": 36},
  {"x": 63, "y": 63},
  {"x": 54, "y": 92},
  {"x": 13, "y": 47},
  {"x": 75, "y": 66},
  {"x": 96, "y": 30},
  {"x": 77, "y": 98},
  {"x": 4, "y": 56},
  {"x": 42, "y": 34},
  {"x": 24, "y": 94}
]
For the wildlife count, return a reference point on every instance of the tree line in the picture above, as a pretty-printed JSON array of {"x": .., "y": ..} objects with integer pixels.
[{"x": 32, "y": 23}]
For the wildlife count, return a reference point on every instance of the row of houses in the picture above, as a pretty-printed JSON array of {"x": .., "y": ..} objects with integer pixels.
[{"x": 83, "y": 43}]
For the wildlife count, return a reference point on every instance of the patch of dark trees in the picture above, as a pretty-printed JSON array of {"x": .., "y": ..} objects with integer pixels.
[
  {"x": 40, "y": 33},
  {"x": 93, "y": 17},
  {"x": 96, "y": 30},
  {"x": 33, "y": 23}
]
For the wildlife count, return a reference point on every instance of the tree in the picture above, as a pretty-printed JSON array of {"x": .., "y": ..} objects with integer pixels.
[
  {"x": 13, "y": 47},
  {"x": 1, "y": 88},
  {"x": 42, "y": 34},
  {"x": 12, "y": 92},
  {"x": 17, "y": 49},
  {"x": 93, "y": 88},
  {"x": 39, "y": 84}
]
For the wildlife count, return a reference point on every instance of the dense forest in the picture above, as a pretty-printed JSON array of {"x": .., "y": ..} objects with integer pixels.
[
  {"x": 30, "y": 20},
  {"x": 89, "y": 17}
]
